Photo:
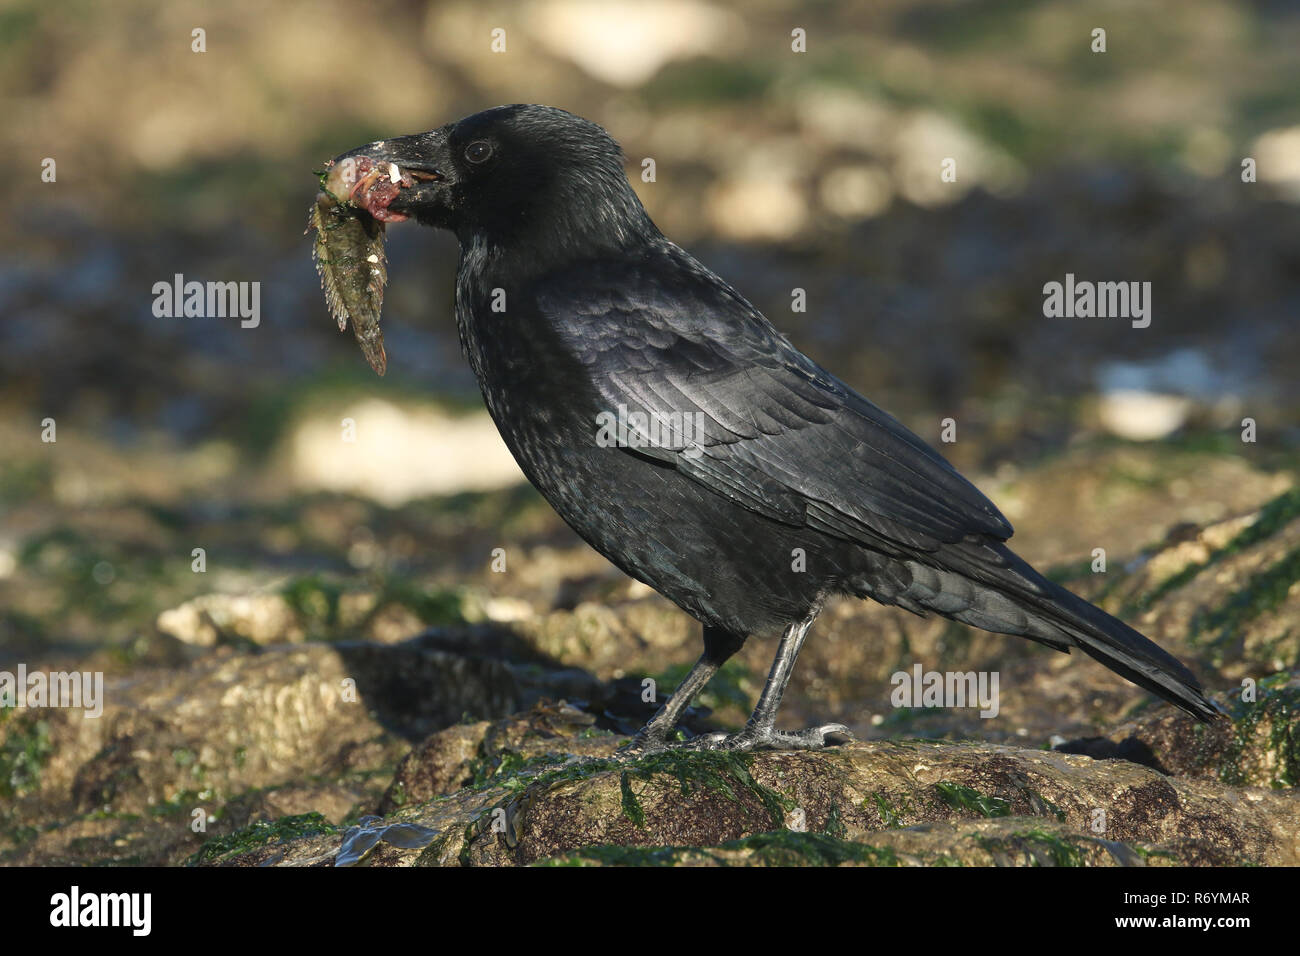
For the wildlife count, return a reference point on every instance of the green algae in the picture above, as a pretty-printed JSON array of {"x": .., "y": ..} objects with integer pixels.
[
  {"x": 260, "y": 834},
  {"x": 968, "y": 800}
]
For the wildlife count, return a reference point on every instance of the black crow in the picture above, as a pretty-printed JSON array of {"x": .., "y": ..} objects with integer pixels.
[{"x": 687, "y": 440}]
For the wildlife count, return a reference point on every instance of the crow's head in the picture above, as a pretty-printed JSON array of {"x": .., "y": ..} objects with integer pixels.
[{"x": 517, "y": 178}]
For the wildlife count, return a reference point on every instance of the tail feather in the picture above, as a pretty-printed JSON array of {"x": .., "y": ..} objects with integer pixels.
[
  {"x": 1112, "y": 642},
  {"x": 986, "y": 584}
]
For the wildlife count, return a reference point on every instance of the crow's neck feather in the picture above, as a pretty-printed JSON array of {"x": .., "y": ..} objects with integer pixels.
[{"x": 584, "y": 216}]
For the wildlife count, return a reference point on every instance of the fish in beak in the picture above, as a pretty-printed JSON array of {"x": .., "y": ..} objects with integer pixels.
[{"x": 357, "y": 194}]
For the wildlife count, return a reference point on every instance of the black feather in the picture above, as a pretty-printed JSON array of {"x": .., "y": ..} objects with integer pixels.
[{"x": 571, "y": 305}]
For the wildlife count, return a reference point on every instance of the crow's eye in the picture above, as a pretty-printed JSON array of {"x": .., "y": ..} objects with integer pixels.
[{"x": 478, "y": 152}]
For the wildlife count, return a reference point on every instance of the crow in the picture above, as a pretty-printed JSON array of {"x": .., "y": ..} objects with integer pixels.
[{"x": 689, "y": 442}]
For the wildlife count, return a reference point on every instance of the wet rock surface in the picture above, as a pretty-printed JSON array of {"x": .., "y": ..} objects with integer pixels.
[
  {"x": 898, "y": 802},
  {"x": 233, "y": 736}
]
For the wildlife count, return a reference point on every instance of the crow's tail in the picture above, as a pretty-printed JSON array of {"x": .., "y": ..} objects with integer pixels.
[
  {"x": 1125, "y": 651},
  {"x": 984, "y": 583}
]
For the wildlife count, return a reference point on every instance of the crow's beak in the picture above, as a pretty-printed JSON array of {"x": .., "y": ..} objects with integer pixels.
[{"x": 392, "y": 177}]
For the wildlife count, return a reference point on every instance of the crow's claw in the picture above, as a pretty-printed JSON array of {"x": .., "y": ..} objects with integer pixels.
[{"x": 812, "y": 738}]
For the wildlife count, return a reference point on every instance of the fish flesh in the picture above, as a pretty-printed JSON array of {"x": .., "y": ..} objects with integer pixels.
[{"x": 348, "y": 216}]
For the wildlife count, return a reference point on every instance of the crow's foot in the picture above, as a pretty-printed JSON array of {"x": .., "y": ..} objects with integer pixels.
[
  {"x": 813, "y": 738},
  {"x": 646, "y": 743}
]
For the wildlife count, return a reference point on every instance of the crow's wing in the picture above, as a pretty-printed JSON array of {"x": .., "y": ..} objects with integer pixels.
[{"x": 728, "y": 401}]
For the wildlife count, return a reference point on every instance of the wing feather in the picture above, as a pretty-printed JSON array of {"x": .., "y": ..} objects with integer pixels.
[{"x": 744, "y": 413}]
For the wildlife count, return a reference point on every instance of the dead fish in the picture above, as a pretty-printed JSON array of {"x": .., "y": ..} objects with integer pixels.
[{"x": 349, "y": 215}]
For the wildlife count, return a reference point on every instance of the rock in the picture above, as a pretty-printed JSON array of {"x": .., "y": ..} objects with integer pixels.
[
  {"x": 625, "y": 43},
  {"x": 996, "y": 842},
  {"x": 1228, "y": 593},
  {"x": 260, "y": 618},
  {"x": 1142, "y": 416},
  {"x": 470, "y": 754},
  {"x": 456, "y": 733},
  {"x": 393, "y": 453},
  {"x": 173, "y": 742},
  {"x": 876, "y": 802},
  {"x": 1259, "y": 748},
  {"x": 1275, "y": 151}
]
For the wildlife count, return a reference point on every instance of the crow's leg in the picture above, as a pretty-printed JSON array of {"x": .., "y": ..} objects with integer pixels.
[
  {"x": 718, "y": 646},
  {"x": 759, "y": 733}
]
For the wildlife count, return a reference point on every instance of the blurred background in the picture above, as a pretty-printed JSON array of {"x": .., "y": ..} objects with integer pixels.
[{"x": 815, "y": 170}]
